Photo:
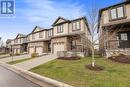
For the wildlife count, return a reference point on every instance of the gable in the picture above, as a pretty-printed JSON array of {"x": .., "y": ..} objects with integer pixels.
[
  {"x": 20, "y": 35},
  {"x": 60, "y": 20},
  {"x": 36, "y": 29}
]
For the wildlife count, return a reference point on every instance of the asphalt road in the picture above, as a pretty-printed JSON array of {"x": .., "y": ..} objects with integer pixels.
[{"x": 11, "y": 79}]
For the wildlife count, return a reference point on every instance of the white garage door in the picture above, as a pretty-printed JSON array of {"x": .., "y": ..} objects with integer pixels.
[
  {"x": 39, "y": 50},
  {"x": 58, "y": 47},
  {"x": 31, "y": 50}
]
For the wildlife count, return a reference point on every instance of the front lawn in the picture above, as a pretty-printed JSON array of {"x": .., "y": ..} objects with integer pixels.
[
  {"x": 19, "y": 61},
  {"x": 75, "y": 73}
]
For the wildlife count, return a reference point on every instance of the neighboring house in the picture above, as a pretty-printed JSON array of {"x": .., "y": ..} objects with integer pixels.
[
  {"x": 65, "y": 35},
  {"x": 38, "y": 41},
  {"x": 19, "y": 45},
  {"x": 114, "y": 29}
]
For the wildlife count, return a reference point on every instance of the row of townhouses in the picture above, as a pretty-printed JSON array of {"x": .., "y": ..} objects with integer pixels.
[
  {"x": 65, "y": 35},
  {"x": 70, "y": 35},
  {"x": 114, "y": 28}
]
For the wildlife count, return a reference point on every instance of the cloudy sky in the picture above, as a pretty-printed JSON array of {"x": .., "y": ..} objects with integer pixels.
[{"x": 30, "y": 13}]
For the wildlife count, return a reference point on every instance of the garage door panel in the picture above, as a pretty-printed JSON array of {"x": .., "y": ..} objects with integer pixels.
[
  {"x": 39, "y": 50},
  {"x": 31, "y": 50},
  {"x": 58, "y": 47}
]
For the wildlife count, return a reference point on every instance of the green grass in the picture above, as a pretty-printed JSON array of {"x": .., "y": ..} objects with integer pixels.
[
  {"x": 75, "y": 73},
  {"x": 18, "y": 61}
]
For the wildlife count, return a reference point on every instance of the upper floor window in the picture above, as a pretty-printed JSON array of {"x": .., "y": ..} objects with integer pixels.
[
  {"x": 76, "y": 25},
  {"x": 33, "y": 36},
  {"x": 117, "y": 13},
  {"x": 40, "y": 34},
  {"x": 49, "y": 33},
  {"x": 59, "y": 28},
  {"x": 16, "y": 41}
]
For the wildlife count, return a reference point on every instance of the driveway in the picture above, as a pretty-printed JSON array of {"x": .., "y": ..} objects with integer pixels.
[
  {"x": 8, "y": 59},
  {"x": 11, "y": 79},
  {"x": 27, "y": 65}
]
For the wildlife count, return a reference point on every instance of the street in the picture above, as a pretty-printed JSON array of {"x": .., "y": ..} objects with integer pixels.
[{"x": 11, "y": 79}]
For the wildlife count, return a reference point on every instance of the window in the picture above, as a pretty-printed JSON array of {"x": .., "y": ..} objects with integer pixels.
[
  {"x": 49, "y": 33},
  {"x": 16, "y": 41},
  {"x": 60, "y": 29},
  {"x": 40, "y": 34},
  {"x": 33, "y": 36},
  {"x": 117, "y": 12},
  {"x": 124, "y": 36},
  {"x": 76, "y": 25}
]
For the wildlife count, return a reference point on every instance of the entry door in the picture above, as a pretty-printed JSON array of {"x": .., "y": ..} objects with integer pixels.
[{"x": 124, "y": 39}]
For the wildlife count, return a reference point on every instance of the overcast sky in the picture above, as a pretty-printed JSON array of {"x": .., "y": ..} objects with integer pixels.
[{"x": 30, "y": 13}]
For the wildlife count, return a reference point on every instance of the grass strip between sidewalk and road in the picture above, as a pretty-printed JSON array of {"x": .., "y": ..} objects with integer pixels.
[{"x": 19, "y": 61}]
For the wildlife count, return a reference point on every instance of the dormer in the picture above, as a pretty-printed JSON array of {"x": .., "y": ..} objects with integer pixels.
[{"x": 19, "y": 39}]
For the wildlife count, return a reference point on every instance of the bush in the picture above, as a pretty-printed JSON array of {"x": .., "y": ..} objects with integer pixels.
[
  {"x": 17, "y": 54},
  {"x": 34, "y": 55}
]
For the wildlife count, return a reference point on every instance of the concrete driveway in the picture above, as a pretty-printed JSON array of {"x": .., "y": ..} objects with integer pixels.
[
  {"x": 11, "y": 79},
  {"x": 27, "y": 65},
  {"x": 8, "y": 59}
]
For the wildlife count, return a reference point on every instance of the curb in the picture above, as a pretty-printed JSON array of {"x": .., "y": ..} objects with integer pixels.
[{"x": 35, "y": 78}]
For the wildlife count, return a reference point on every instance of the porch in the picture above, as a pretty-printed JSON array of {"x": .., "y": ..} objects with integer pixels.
[{"x": 117, "y": 40}]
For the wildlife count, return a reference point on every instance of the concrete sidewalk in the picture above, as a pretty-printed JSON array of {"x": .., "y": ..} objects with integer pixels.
[
  {"x": 8, "y": 59},
  {"x": 27, "y": 65}
]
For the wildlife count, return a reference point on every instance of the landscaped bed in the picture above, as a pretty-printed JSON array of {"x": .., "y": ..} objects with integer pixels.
[
  {"x": 120, "y": 58},
  {"x": 19, "y": 61},
  {"x": 69, "y": 58},
  {"x": 75, "y": 72}
]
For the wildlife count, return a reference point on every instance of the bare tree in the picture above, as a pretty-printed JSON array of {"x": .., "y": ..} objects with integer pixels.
[{"x": 93, "y": 21}]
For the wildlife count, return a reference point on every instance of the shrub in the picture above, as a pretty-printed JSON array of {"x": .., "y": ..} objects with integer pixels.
[
  {"x": 17, "y": 54},
  {"x": 34, "y": 55}
]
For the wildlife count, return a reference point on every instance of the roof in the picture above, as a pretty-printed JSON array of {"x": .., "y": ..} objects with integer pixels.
[
  {"x": 8, "y": 40},
  {"x": 66, "y": 20},
  {"x": 106, "y": 8},
  {"x": 21, "y": 35}
]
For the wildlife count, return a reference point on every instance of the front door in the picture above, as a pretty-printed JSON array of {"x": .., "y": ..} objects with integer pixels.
[{"x": 124, "y": 39}]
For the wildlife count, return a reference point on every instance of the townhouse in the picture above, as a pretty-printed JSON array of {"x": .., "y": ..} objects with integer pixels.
[
  {"x": 114, "y": 29},
  {"x": 65, "y": 35},
  {"x": 18, "y": 45}
]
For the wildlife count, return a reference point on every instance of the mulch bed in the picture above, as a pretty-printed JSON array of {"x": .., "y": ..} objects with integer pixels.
[
  {"x": 95, "y": 68},
  {"x": 69, "y": 58},
  {"x": 120, "y": 58}
]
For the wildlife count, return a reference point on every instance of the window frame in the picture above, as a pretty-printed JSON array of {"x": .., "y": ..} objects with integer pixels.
[
  {"x": 33, "y": 36},
  {"x": 49, "y": 33},
  {"x": 40, "y": 34},
  {"x": 124, "y": 36},
  {"x": 75, "y": 27},
  {"x": 117, "y": 18},
  {"x": 60, "y": 28}
]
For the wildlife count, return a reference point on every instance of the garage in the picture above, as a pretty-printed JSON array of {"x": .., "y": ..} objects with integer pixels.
[
  {"x": 39, "y": 50},
  {"x": 31, "y": 50},
  {"x": 58, "y": 47}
]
